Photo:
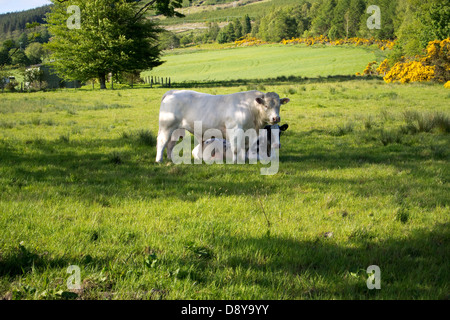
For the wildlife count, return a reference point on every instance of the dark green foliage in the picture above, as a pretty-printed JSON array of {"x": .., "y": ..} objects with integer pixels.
[
  {"x": 277, "y": 25},
  {"x": 247, "y": 25},
  {"x": 124, "y": 40},
  {"x": 440, "y": 17}
]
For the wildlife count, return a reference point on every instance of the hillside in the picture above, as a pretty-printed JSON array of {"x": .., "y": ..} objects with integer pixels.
[
  {"x": 206, "y": 11},
  {"x": 13, "y": 24}
]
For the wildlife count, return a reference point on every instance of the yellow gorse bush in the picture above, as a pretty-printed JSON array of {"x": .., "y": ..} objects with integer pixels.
[
  {"x": 409, "y": 71},
  {"x": 248, "y": 41},
  {"x": 435, "y": 65},
  {"x": 382, "y": 44},
  {"x": 383, "y": 67},
  {"x": 438, "y": 54}
]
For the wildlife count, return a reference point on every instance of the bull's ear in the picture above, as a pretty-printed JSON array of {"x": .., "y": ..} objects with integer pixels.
[
  {"x": 260, "y": 100},
  {"x": 284, "y": 127},
  {"x": 284, "y": 100}
]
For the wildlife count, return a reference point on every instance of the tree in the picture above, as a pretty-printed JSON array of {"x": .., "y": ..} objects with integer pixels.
[
  {"x": 339, "y": 24},
  {"x": 187, "y": 39},
  {"x": 168, "y": 41},
  {"x": 229, "y": 30},
  {"x": 35, "y": 53},
  {"x": 222, "y": 37},
  {"x": 18, "y": 57},
  {"x": 439, "y": 20},
  {"x": 278, "y": 24},
  {"x": 4, "y": 56},
  {"x": 237, "y": 29},
  {"x": 213, "y": 31},
  {"x": 114, "y": 36},
  {"x": 247, "y": 25},
  {"x": 44, "y": 36},
  {"x": 22, "y": 42},
  {"x": 322, "y": 20}
]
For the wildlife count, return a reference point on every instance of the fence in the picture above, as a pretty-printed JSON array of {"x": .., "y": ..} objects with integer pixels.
[{"x": 156, "y": 80}]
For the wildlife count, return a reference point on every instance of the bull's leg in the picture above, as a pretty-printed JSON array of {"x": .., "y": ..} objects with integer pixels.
[
  {"x": 172, "y": 144},
  {"x": 232, "y": 138},
  {"x": 161, "y": 143}
]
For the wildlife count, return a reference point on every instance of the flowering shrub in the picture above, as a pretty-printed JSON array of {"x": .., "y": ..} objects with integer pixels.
[
  {"x": 409, "y": 71},
  {"x": 447, "y": 85},
  {"x": 249, "y": 41},
  {"x": 435, "y": 65},
  {"x": 438, "y": 55},
  {"x": 383, "y": 67},
  {"x": 370, "y": 69},
  {"x": 382, "y": 44}
]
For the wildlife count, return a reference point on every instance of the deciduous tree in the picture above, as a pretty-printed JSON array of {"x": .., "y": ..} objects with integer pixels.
[{"x": 114, "y": 36}]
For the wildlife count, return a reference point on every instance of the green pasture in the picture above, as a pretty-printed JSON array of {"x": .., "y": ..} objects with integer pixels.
[
  {"x": 363, "y": 180},
  {"x": 261, "y": 62}
]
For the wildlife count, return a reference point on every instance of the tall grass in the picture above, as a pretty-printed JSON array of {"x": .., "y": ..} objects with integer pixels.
[{"x": 417, "y": 122}]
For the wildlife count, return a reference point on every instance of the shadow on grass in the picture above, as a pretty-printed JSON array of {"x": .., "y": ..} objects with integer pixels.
[
  {"x": 94, "y": 176},
  {"x": 411, "y": 268}
]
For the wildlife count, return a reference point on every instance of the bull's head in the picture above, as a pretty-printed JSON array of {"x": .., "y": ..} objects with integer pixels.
[{"x": 271, "y": 103}]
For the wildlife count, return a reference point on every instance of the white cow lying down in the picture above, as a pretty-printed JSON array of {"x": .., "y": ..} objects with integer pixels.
[
  {"x": 243, "y": 110},
  {"x": 222, "y": 147}
]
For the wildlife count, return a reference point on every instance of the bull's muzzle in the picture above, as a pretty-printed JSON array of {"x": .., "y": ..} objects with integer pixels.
[{"x": 276, "y": 119}]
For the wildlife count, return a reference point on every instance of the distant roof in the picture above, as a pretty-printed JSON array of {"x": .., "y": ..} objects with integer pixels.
[{"x": 35, "y": 65}]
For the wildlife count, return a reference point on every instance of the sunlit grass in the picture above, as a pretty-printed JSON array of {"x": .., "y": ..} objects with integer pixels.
[{"x": 79, "y": 186}]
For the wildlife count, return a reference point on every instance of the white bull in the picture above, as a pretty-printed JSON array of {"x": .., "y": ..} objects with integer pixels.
[{"x": 243, "y": 110}]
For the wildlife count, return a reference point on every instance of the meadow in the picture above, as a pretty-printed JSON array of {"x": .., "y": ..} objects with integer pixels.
[
  {"x": 363, "y": 180},
  {"x": 261, "y": 62}
]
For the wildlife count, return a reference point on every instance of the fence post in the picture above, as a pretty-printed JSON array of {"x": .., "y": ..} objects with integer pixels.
[
  {"x": 151, "y": 83},
  {"x": 169, "y": 83}
]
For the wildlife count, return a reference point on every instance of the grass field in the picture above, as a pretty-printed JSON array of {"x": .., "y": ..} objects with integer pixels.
[
  {"x": 267, "y": 61},
  {"x": 363, "y": 180}
]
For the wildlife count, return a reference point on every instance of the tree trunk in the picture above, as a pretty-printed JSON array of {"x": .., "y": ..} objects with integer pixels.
[{"x": 102, "y": 80}]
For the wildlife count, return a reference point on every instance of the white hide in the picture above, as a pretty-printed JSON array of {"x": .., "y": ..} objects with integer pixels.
[{"x": 180, "y": 109}]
